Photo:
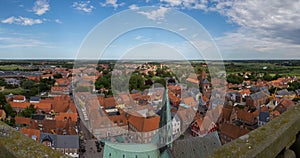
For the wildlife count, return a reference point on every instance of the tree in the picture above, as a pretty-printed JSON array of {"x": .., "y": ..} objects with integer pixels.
[
  {"x": 57, "y": 75},
  {"x": 29, "y": 111},
  {"x": 267, "y": 77},
  {"x": 9, "y": 110},
  {"x": 294, "y": 86},
  {"x": 136, "y": 81},
  {"x": 103, "y": 82},
  {"x": 235, "y": 79},
  {"x": 2, "y": 82},
  {"x": 27, "y": 84},
  {"x": 2, "y": 99}
]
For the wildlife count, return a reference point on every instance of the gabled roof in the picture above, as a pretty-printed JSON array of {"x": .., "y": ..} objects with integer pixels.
[
  {"x": 62, "y": 141},
  {"x": 35, "y": 98},
  {"x": 67, "y": 141},
  {"x": 31, "y": 133},
  {"x": 143, "y": 124},
  {"x": 19, "y": 97},
  {"x": 19, "y": 105},
  {"x": 205, "y": 81},
  {"x": 42, "y": 106},
  {"x": 264, "y": 116},
  {"x": 196, "y": 147},
  {"x": 22, "y": 120},
  {"x": 233, "y": 131},
  {"x": 259, "y": 95},
  {"x": 38, "y": 117},
  {"x": 62, "y": 116},
  {"x": 189, "y": 101}
]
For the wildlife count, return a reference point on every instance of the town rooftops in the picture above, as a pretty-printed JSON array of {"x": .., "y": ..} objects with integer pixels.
[
  {"x": 35, "y": 99},
  {"x": 260, "y": 94},
  {"x": 22, "y": 120},
  {"x": 61, "y": 141},
  {"x": 31, "y": 133},
  {"x": 196, "y": 146},
  {"x": 143, "y": 124},
  {"x": 233, "y": 131}
]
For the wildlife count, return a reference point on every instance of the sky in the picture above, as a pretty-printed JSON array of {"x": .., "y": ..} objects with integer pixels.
[{"x": 242, "y": 30}]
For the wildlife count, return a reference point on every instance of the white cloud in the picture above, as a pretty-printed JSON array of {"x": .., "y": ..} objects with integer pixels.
[
  {"x": 113, "y": 3},
  {"x": 138, "y": 37},
  {"x": 15, "y": 42},
  {"x": 158, "y": 14},
  {"x": 41, "y": 7},
  {"x": 84, "y": 6},
  {"x": 190, "y": 4},
  {"x": 182, "y": 29},
  {"x": 58, "y": 21},
  {"x": 133, "y": 7},
  {"x": 264, "y": 27},
  {"x": 21, "y": 21}
]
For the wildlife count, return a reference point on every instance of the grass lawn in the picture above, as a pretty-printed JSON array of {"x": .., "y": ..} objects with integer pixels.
[{"x": 13, "y": 91}]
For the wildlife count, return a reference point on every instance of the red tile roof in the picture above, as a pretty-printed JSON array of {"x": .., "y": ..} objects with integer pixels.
[
  {"x": 18, "y": 97},
  {"x": 233, "y": 131},
  {"x": 43, "y": 106},
  {"x": 62, "y": 116},
  {"x": 18, "y": 105},
  {"x": 31, "y": 133},
  {"x": 189, "y": 101},
  {"x": 143, "y": 124},
  {"x": 22, "y": 120}
]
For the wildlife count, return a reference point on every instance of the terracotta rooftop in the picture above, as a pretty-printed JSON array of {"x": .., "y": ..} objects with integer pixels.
[
  {"x": 18, "y": 105},
  {"x": 19, "y": 97},
  {"x": 31, "y": 133},
  {"x": 143, "y": 124},
  {"x": 246, "y": 116},
  {"x": 22, "y": 120},
  {"x": 233, "y": 131},
  {"x": 189, "y": 101},
  {"x": 62, "y": 116}
]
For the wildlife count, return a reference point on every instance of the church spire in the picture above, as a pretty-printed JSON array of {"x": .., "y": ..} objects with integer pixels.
[{"x": 165, "y": 123}]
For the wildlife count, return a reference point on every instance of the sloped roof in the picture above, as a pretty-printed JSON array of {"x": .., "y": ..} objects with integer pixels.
[
  {"x": 62, "y": 141},
  {"x": 22, "y": 120},
  {"x": 205, "y": 81},
  {"x": 22, "y": 105},
  {"x": 233, "y": 131},
  {"x": 196, "y": 147},
  {"x": 143, "y": 124},
  {"x": 61, "y": 116},
  {"x": 31, "y": 133},
  {"x": 130, "y": 150}
]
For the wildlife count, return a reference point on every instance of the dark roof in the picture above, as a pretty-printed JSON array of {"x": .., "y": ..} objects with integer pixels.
[
  {"x": 35, "y": 98},
  {"x": 67, "y": 141},
  {"x": 283, "y": 92},
  {"x": 259, "y": 95},
  {"x": 264, "y": 116},
  {"x": 205, "y": 81},
  {"x": 38, "y": 117},
  {"x": 61, "y": 141},
  {"x": 196, "y": 147}
]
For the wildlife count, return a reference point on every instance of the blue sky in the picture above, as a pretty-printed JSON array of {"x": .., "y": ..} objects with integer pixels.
[{"x": 253, "y": 29}]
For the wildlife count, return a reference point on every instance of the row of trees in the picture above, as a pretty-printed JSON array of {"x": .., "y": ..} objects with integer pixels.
[
  {"x": 137, "y": 80},
  {"x": 237, "y": 79}
]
